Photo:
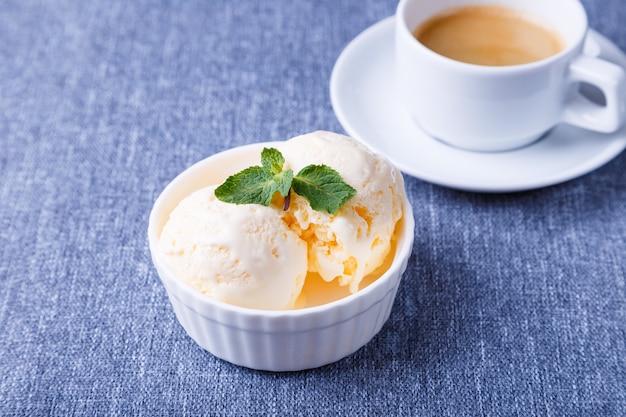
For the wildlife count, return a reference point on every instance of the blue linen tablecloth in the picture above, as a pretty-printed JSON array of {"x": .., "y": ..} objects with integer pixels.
[{"x": 512, "y": 304}]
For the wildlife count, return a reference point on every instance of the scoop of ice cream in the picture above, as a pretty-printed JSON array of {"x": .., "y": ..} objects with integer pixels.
[
  {"x": 239, "y": 254},
  {"x": 354, "y": 241}
]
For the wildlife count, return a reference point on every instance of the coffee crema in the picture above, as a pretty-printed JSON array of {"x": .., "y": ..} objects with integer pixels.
[{"x": 489, "y": 35}]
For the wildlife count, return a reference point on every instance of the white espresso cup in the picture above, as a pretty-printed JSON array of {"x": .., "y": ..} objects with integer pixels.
[{"x": 496, "y": 108}]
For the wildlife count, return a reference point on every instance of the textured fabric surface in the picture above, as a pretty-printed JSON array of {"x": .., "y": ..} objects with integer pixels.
[{"x": 512, "y": 304}]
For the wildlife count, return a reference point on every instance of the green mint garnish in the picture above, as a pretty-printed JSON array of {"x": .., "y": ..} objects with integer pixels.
[
  {"x": 320, "y": 185},
  {"x": 323, "y": 188}
]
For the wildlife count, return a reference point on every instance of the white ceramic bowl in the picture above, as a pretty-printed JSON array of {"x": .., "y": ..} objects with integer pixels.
[{"x": 287, "y": 340}]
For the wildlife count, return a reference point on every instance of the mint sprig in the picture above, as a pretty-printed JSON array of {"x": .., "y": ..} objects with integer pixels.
[{"x": 320, "y": 185}]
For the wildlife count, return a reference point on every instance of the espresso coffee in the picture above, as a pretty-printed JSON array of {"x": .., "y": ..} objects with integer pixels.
[{"x": 488, "y": 35}]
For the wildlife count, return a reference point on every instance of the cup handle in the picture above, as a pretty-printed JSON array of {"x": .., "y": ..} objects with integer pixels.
[{"x": 611, "y": 80}]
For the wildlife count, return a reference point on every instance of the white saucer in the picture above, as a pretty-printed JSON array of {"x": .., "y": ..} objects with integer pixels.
[{"x": 362, "y": 92}]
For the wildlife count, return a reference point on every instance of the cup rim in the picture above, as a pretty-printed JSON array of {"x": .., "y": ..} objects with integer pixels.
[
  {"x": 403, "y": 249},
  {"x": 570, "y": 47}
]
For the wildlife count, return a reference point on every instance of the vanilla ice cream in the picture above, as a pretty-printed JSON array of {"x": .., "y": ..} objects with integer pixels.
[
  {"x": 239, "y": 254},
  {"x": 356, "y": 240},
  {"x": 256, "y": 256}
]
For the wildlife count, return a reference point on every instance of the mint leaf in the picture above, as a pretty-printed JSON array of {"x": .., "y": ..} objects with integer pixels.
[
  {"x": 320, "y": 185},
  {"x": 253, "y": 185},
  {"x": 323, "y": 188},
  {"x": 272, "y": 160},
  {"x": 283, "y": 182}
]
